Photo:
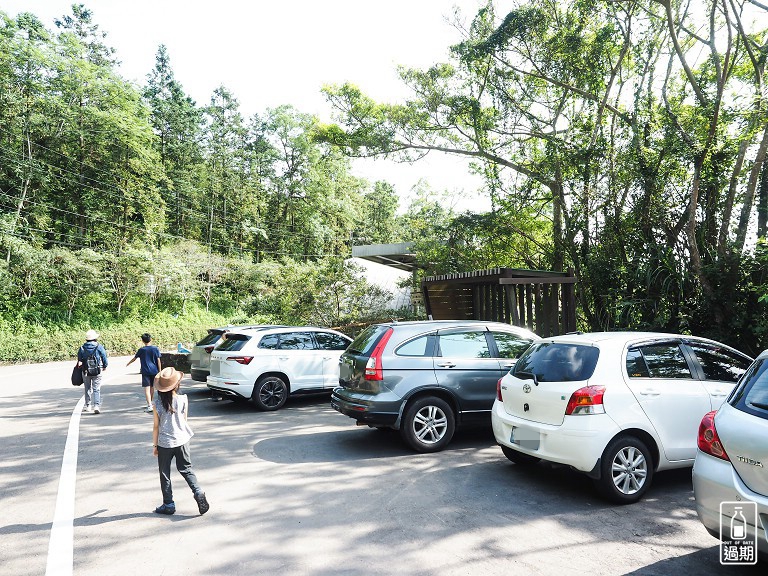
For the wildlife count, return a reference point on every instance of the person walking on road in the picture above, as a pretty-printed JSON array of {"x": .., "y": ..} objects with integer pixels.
[
  {"x": 92, "y": 359},
  {"x": 149, "y": 358},
  {"x": 171, "y": 434}
]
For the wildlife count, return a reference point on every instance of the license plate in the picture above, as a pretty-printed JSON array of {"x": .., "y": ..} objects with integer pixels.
[{"x": 525, "y": 438}]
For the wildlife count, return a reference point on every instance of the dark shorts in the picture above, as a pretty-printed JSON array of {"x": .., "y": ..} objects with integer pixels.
[{"x": 147, "y": 380}]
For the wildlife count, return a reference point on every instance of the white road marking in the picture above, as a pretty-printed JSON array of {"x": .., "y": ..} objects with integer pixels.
[{"x": 61, "y": 544}]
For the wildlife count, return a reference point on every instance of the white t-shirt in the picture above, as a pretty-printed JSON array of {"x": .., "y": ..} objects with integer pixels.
[{"x": 173, "y": 430}]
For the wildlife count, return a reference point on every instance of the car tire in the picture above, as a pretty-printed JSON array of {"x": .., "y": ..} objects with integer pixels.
[
  {"x": 518, "y": 457},
  {"x": 270, "y": 393},
  {"x": 428, "y": 424},
  {"x": 626, "y": 470}
]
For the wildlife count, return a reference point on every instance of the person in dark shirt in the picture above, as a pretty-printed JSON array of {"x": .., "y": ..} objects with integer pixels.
[{"x": 149, "y": 357}]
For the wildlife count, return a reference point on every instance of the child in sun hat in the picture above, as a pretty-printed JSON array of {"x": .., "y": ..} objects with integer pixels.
[{"x": 170, "y": 437}]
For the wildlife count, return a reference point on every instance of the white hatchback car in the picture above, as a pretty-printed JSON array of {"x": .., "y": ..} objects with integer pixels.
[
  {"x": 615, "y": 405},
  {"x": 268, "y": 364}
]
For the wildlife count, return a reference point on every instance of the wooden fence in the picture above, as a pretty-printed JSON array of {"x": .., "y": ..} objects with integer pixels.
[{"x": 538, "y": 300}]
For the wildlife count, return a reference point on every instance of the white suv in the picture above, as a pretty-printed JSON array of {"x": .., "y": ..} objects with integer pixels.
[
  {"x": 615, "y": 405},
  {"x": 268, "y": 364}
]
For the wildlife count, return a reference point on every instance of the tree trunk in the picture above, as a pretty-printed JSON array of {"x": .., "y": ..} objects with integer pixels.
[{"x": 749, "y": 194}]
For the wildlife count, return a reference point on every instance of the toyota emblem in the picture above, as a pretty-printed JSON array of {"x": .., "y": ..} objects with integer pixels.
[{"x": 527, "y": 388}]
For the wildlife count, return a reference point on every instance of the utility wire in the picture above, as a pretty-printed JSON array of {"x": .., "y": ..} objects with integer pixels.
[
  {"x": 228, "y": 248},
  {"x": 278, "y": 229}
]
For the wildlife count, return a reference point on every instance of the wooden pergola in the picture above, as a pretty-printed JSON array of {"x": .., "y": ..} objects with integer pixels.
[{"x": 538, "y": 300}]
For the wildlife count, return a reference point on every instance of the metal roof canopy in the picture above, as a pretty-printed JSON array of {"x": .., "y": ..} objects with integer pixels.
[
  {"x": 539, "y": 300},
  {"x": 398, "y": 256}
]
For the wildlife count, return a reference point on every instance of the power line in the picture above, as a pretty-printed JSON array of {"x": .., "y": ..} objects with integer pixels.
[
  {"x": 279, "y": 230},
  {"x": 120, "y": 191},
  {"x": 82, "y": 239}
]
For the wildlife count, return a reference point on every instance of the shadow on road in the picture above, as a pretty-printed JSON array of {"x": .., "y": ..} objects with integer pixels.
[{"x": 707, "y": 560}]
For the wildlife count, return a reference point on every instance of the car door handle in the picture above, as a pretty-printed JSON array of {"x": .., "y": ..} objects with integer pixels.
[
  {"x": 447, "y": 365},
  {"x": 649, "y": 392},
  {"x": 720, "y": 392},
  {"x": 508, "y": 365},
  {"x": 284, "y": 358},
  {"x": 327, "y": 357}
]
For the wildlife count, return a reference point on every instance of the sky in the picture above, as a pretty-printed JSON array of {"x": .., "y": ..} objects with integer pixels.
[{"x": 274, "y": 52}]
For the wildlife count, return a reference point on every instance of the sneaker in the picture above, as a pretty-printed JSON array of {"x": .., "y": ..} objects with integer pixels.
[
  {"x": 148, "y": 409},
  {"x": 166, "y": 509},
  {"x": 97, "y": 410},
  {"x": 202, "y": 502},
  {"x": 87, "y": 408}
]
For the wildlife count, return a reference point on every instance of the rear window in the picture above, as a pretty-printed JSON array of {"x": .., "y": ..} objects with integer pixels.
[
  {"x": 556, "y": 362},
  {"x": 211, "y": 338},
  {"x": 751, "y": 395},
  {"x": 233, "y": 342},
  {"x": 366, "y": 340}
]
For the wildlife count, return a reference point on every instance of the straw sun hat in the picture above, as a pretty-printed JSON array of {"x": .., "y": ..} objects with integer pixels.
[
  {"x": 91, "y": 335},
  {"x": 168, "y": 379}
]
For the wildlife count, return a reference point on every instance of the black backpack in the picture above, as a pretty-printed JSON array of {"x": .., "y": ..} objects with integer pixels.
[{"x": 93, "y": 364}]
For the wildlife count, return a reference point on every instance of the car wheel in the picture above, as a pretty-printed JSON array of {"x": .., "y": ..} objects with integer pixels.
[
  {"x": 270, "y": 393},
  {"x": 428, "y": 424},
  {"x": 518, "y": 457},
  {"x": 626, "y": 470}
]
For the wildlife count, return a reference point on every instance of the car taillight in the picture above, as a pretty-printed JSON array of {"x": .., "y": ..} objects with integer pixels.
[
  {"x": 209, "y": 349},
  {"x": 498, "y": 390},
  {"x": 708, "y": 440},
  {"x": 587, "y": 400},
  {"x": 241, "y": 359},
  {"x": 373, "y": 368}
]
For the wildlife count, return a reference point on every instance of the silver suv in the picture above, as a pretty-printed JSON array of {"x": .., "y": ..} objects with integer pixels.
[{"x": 425, "y": 378}]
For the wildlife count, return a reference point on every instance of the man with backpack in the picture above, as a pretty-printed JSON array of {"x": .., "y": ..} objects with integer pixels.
[{"x": 92, "y": 359}]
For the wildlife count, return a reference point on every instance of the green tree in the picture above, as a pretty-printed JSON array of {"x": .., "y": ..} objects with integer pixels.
[
  {"x": 379, "y": 215},
  {"x": 177, "y": 123},
  {"x": 124, "y": 274},
  {"x": 26, "y": 267},
  {"x": 74, "y": 276},
  {"x": 636, "y": 163}
]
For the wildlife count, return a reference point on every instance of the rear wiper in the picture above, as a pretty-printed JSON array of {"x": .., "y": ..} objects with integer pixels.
[
  {"x": 528, "y": 376},
  {"x": 759, "y": 405}
]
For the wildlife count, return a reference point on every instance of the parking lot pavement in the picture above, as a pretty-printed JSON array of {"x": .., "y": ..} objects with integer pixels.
[{"x": 304, "y": 491}]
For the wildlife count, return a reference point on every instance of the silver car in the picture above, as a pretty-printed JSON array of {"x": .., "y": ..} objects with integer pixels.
[{"x": 732, "y": 460}]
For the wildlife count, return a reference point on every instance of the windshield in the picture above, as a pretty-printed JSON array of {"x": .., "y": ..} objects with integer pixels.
[{"x": 555, "y": 362}]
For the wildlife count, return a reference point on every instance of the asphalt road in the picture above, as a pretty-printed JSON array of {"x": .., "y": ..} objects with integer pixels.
[{"x": 302, "y": 491}]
